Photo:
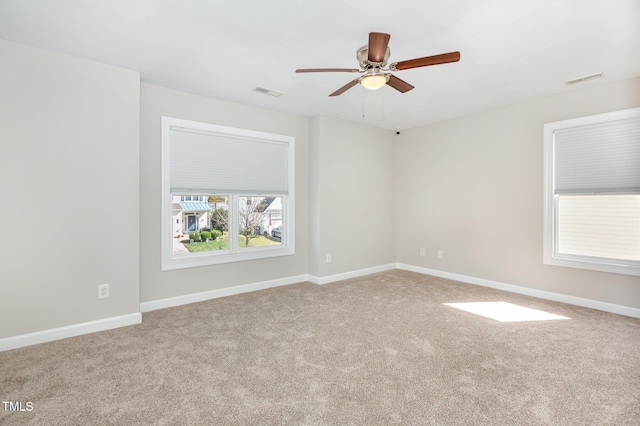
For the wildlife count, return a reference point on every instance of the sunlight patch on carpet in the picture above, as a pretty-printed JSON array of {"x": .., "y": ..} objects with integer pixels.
[{"x": 505, "y": 312}]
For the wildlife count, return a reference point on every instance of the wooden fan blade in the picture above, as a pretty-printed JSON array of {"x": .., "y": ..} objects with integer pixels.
[
  {"x": 378, "y": 43},
  {"x": 444, "y": 58},
  {"x": 398, "y": 84},
  {"x": 327, "y": 70},
  {"x": 346, "y": 87}
]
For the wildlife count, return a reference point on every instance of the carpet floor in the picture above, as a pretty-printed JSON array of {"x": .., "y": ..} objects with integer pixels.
[{"x": 384, "y": 349}]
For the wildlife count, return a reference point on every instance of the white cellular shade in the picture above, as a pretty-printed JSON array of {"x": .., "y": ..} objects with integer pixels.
[
  {"x": 207, "y": 162},
  {"x": 601, "y": 158},
  {"x": 604, "y": 226}
]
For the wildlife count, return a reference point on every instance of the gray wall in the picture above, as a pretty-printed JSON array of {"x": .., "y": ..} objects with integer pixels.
[
  {"x": 69, "y": 188},
  {"x": 353, "y": 192},
  {"x": 314, "y": 196},
  {"x": 155, "y": 284},
  {"x": 80, "y": 184},
  {"x": 473, "y": 188}
]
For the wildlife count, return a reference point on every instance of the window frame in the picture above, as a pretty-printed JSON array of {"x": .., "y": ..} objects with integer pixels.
[
  {"x": 172, "y": 261},
  {"x": 551, "y": 256}
]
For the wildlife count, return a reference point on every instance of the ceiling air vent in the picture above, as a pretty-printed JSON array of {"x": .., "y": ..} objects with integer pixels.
[
  {"x": 583, "y": 79},
  {"x": 269, "y": 92}
]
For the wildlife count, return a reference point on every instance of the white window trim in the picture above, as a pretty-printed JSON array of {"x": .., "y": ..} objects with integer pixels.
[
  {"x": 550, "y": 255},
  {"x": 171, "y": 261}
]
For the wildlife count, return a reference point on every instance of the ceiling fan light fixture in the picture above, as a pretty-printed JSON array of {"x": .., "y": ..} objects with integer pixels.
[
  {"x": 374, "y": 81},
  {"x": 373, "y": 59}
]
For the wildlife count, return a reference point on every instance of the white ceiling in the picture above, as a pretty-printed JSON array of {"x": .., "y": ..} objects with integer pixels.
[{"x": 511, "y": 50}]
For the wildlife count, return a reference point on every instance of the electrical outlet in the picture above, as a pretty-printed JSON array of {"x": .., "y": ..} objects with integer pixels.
[
  {"x": 103, "y": 291},
  {"x": 422, "y": 252},
  {"x": 440, "y": 256},
  {"x": 328, "y": 258}
]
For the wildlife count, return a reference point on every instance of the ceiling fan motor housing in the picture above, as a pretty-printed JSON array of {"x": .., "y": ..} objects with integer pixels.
[{"x": 363, "y": 58}]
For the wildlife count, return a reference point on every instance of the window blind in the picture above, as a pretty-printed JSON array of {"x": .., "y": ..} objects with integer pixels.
[
  {"x": 605, "y": 226},
  {"x": 206, "y": 163},
  {"x": 601, "y": 158}
]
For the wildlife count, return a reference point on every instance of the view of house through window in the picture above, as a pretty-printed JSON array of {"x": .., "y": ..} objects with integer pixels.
[
  {"x": 259, "y": 221},
  {"x": 201, "y": 222}
]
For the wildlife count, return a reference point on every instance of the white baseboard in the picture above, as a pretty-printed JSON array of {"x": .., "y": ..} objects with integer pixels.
[
  {"x": 246, "y": 288},
  {"x": 69, "y": 331},
  {"x": 214, "y": 294},
  {"x": 353, "y": 274},
  {"x": 541, "y": 294}
]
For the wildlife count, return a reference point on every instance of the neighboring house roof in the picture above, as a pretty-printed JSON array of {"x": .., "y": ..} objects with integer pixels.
[
  {"x": 194, "y": 206},
  {"x": 275, "y": 206}
]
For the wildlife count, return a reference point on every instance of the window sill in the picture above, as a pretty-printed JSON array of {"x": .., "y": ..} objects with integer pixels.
[
  {"x": 194, "y": 260},
  {"x": 594, "y": 264}
]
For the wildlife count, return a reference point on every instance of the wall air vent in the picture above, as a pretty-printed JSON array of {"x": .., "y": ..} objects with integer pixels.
[
  {"x": 269, "y": 92},
  {"x": 583, "y": 79}
]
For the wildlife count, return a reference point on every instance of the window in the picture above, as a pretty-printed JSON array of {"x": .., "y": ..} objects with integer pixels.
[
  {"x": 227, "y": 194},
  {"x": 592, "y": 192}
]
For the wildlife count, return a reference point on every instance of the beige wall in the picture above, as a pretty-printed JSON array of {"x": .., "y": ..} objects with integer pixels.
[
  {"x": 155, "y": 284},
  {"x": 353, "y": 196},
  {"x": 473, "y": 188},
  {"x": 69, "y": 178}
]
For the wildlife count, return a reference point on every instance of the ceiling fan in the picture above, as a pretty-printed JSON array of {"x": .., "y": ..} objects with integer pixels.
[{"x": 373, "y": 58}]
